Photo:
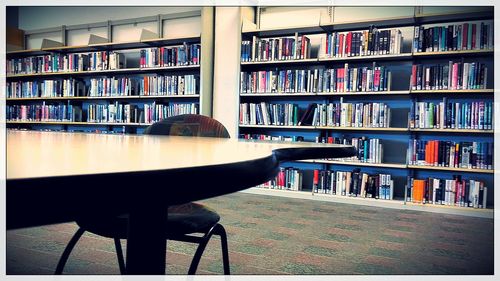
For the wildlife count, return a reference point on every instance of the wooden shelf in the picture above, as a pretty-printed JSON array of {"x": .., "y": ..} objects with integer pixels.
[
  {"x": 77, "y": 123},
  {"x": 295, "y": 61},
  {"x": 108, "y": 71},
  {"x": 467, "y": 131},
  {"x": 354, "y": 163},
  {"x": 472, "y": 91},
  {"x": 278, "y": 127},
  {"x": 108, "y": 46},
  {"x": 348, "y": 94},
  {"x": 451, "y": 169},
  {"x": 104, "y": 98},
  {"x": 363, "y": 129},
  {"x": 453, "y": 53},
  {"x": 370, "y": 58}
]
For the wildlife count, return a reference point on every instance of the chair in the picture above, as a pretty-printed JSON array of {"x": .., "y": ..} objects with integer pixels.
[{"x": 183, "y": 220}]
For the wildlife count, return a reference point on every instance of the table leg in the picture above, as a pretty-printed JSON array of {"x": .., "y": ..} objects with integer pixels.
[{"x": 146, "y": 243}]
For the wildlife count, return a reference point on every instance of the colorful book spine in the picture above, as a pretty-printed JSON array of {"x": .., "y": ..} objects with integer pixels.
[
  {"x": 276, "y": 49},
  {"x": 451, "y": 76},
  {"x": 359, "y": 43},
  {"x": 452, "y": 192}
]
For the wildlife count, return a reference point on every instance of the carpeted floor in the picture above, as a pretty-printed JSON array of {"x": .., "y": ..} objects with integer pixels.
[{"x": 274, "y": 235}]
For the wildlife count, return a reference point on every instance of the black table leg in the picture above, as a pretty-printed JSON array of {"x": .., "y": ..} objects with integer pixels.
[{"x": 146, "y": 243}]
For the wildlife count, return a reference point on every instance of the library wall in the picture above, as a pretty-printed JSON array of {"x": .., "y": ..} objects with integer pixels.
[
  {"x": 45, "y": 17},
  {"x": 226, "y": 67}
]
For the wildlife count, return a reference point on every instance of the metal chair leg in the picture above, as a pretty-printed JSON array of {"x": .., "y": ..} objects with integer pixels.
[
  {"x": 225, "y": 252},
  {"x": 67, "y": 251},
  {"x": 218, "y": 230},
  {"x": 119, "y": 255}
]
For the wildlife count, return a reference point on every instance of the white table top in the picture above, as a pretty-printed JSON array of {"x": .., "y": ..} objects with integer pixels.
[{"x": 33, "y": 154}]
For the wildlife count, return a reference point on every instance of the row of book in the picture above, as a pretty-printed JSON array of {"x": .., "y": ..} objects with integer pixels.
[
  {"x": 440, "y": 153},
  {"x": 376, "y": 115},
  {"x": 169, "y": 85},
  {"x": 288, "y": 178},
  {"x": 452, "y": 192},
  {"x": 341, "y": 114},
  {"x": 274, "y": 49},
  {"x": 186, "y": 54},
  {"x": 344, "y": 79},
  {"x": 454, "y": 37},
  {"x": 44, "y": 112},
  {"x": 113, "y": 113},
  {"x": 161, "y": 85},
  {"x": 363, "y": 43},
  {"x": 56, "y": 62},
  {"x": 369, "y": 150},
  {"x": 46, "y": 88},
  {"x": 451, "y": 76},
  {"x": 452, "y": 115},
  {"x": 157, "y": 111},
  {"x": 117, "y": 112},
  {"x": 353, "y": 184}
]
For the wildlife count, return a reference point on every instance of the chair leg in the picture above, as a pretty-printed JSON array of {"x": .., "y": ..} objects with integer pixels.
[
  {"x": 218, "y": 230},
  {"x": 225, "y": 252},
  {"x": 119, "y": 255},
  {"x": 67, "y": 251}
]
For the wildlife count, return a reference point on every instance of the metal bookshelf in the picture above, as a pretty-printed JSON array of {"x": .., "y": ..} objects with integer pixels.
[
  {"x": 148, "y": 39},
  {"x": 407, "y": 57}
]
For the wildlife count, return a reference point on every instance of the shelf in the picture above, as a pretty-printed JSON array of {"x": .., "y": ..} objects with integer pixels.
[
  {"x": 347, "y": 94},
  {"x": 108, "y": 71},
  {"x": 283, "y": 31},
  {"x": 453, "y": 53},
  {"x": 363, "y": 129},
  {"x": 466, "y": 131},
  {"x": 103, "y": 98},
  {"x": 76, "y": 123},
  {"x": 294, "y": 61},
  {"x": 327, "y": 128},
  {"x": 277, "y": 94},
  {"x": 108, "y": 46},
  {"x": 326, "y": 94},
  {"x": 354, "y": 163},
  {"x": 472, "y": 91},
  {"x": 392, "y": 204},
  {"x": 370, "y": 58},
  {"x": 363, "y": 25},
  {"x": 451, "y": 169},
  {"x": 278, "y": 127}
]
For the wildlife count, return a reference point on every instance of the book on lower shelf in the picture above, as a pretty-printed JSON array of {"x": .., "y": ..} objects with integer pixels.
[
  {"x": 44, "y": 112},
  {"x": 452, "y": 154},
  {"x": 452, "y": 76},
  {"x": 451, "y": 192},
  {"x": 451, "y": 115}
]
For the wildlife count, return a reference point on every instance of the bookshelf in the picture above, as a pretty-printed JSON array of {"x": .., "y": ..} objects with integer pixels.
[
  {"x": 187, "y": 87},
  {"x": 400, "y": 98}
]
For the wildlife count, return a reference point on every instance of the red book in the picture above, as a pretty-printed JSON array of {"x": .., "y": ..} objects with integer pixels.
[
  {"x": 436, "y": 152},
  {"x": 414, "y": 77},
  {"x": 348, "y": 43},
  {"x": 376, "y": 79},
  {"x": 330, "y": 139},
  {"x": 341, "y": 45}
]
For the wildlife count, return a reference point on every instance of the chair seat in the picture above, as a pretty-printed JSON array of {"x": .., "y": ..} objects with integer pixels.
[{"x": 182, "y": 219}]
